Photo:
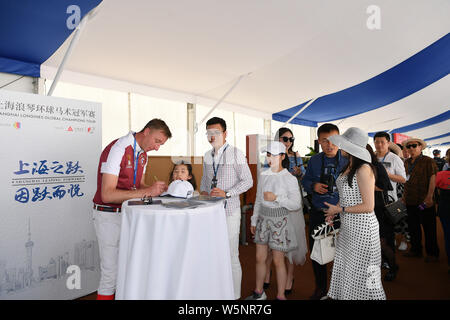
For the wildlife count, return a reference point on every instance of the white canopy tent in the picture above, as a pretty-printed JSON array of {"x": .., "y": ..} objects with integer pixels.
[{"x": 288, "y": 52}]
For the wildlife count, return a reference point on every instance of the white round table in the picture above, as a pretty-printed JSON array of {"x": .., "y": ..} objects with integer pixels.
[{"x": 176, "y": 254}]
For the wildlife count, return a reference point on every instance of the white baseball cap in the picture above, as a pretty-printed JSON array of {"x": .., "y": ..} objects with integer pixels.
[
  {"x": 274, "y": 147},
  {"x": 179, "y": 189}
]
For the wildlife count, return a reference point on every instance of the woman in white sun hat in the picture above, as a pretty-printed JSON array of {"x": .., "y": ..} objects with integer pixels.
[
  {"x": 356, "y": 271},
  {"x": 277, "y": 197}
]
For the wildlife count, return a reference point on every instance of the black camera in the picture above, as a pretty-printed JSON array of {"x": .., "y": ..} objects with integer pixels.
[{"x": 329, "y": 180}]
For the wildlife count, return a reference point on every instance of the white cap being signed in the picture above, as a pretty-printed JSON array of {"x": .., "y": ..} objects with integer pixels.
[{"x": 179, "y": 189}]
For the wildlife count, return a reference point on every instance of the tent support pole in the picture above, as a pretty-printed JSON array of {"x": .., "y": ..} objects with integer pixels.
[
  {"x": 268, "y": 127},
  {"x": 191, "y": 113},
  {"x": 300, "y": 111},
  {"x": 220, "y": 101},
  {"x": 68, "y": 53}
]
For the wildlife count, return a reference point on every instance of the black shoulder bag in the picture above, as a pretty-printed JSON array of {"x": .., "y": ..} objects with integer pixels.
[{"x": 395, "y": 210}]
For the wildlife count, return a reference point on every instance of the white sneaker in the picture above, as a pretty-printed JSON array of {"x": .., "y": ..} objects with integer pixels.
[
  {"x": 403, "y": 246},
  {"x": 257, "y": 296}
]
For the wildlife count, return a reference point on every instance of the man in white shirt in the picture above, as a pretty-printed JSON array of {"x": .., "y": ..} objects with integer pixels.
[
  {"x": 120, "y": 177},
  {"x": 393, "y": 163},
  {"x": 396, "y": 171},
  {"x": 226, "y": 174}
]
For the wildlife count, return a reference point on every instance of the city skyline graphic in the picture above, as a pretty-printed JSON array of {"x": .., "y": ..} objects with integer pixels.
[{"x": 20, "y": 278}]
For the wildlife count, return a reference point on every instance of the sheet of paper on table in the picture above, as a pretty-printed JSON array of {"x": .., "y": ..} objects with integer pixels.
[
  {"x": 187, "y": 204},
  {"x": 206, "y": 198}
]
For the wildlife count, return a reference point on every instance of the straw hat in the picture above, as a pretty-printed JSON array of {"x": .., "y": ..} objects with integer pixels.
[
  {"x": 353, "y": 141},
  {"x": 395, "y": 149},
  {"x": 422, "y": 143}
]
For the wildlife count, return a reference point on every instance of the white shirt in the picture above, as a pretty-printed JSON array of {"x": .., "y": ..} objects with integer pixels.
[
  {"x": 112, "y": 164},
  {"x": 233, "y": 174},
  {"x": 393, "y": 165},
  {"x": 284, "y": 185}
]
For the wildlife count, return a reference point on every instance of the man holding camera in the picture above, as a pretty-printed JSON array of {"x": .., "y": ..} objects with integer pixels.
[{"x": 320, "y": 181}]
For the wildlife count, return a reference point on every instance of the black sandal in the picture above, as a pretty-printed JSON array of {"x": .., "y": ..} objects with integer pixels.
[{"x": 289, "y": 291}]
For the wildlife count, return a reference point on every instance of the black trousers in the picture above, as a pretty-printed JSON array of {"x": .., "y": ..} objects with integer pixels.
[
  {"x": 427, "y": 219},
  {"x": 316, "y": 218},
  {"x": 386, "y": 227}
]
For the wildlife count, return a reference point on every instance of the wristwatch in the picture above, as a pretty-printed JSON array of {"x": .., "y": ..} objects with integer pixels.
[{"x": 227, "y": 195}]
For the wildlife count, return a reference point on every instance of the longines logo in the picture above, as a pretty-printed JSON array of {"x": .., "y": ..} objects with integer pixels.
[{"x": 89, "y": 130}]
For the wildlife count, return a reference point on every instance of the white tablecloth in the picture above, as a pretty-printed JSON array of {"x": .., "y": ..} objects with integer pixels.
[{"x": 174, "y": 253}]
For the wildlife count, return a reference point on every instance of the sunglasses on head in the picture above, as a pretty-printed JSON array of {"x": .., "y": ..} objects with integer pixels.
[
  {"x": 286, "y": 139},
  {"x": 409, "y": 146}
]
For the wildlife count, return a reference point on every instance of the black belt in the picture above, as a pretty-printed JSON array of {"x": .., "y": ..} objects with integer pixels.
[{"x": 106, "y": 208}]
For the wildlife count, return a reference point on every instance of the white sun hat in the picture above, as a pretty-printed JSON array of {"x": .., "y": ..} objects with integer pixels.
[
  {"x": 274, "y": 148},
  {"x": 179, "y": 189},
  {"x": 353, "y": 141}
]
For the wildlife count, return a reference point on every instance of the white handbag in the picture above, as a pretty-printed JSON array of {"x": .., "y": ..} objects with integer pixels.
[{"x": 324, "y": 244}]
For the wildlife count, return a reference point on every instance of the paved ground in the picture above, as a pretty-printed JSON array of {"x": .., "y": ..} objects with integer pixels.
[{"x": 416, "y": 278}]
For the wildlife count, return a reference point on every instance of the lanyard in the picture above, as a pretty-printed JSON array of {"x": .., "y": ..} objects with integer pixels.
[
  {"x": 216, "y": 169},
  {"x": 382, "y": 161},
  {"x": 135, "y": 161}
]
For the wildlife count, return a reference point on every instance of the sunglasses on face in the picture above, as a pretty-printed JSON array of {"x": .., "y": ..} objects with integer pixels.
[
  {"x": 414, "y": 145},
  {"x": 286, "y": 139}
]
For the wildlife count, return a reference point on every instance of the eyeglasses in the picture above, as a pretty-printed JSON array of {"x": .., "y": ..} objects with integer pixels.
[
  {"x": 286, "y": 139},
  {"x": 414, "y": 145},
  {"x": 214, "y": 133}
]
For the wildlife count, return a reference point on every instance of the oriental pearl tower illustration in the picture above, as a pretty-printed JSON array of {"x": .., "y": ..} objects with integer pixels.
[{"x": 29, "y": 260}]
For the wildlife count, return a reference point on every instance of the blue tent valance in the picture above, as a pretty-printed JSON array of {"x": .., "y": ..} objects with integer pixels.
[
  {"x": 422, "y": 124},
  {"x": 410, "y": 76},
  {"x": 31, "y": 31},
  {"x": 438, "y": 137}
]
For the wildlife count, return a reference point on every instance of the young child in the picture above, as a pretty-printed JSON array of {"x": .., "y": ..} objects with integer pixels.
[
  {"x": 277, "y": 196},
  {"x": 183, "y": 171}
]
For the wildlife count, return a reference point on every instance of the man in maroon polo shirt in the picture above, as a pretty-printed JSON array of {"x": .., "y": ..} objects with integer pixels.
[{"x": 120, "y": 177}]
